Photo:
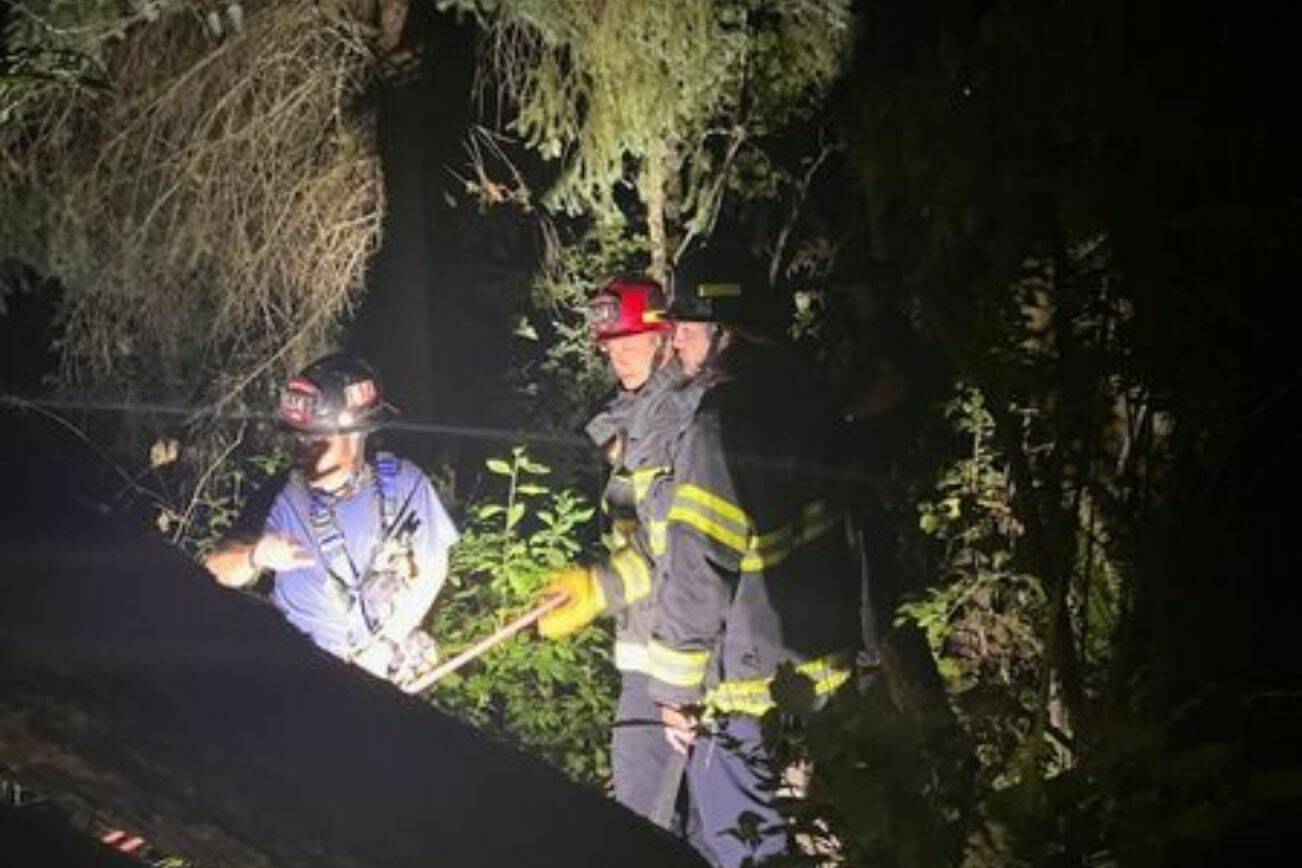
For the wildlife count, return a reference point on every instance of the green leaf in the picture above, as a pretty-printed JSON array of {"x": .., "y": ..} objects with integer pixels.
[
  {"x": 519, "y": 582},
  {"x": 514, "y": 515},
  {"x": 533, "y": 466},
  {"x": 531, "y": 489},
  {"x": 489, "y": 510},
  {"x": 497, "y": 465}
]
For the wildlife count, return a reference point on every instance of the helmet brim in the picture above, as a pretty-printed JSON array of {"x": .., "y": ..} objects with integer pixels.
[{"x": 381, "y": 415}]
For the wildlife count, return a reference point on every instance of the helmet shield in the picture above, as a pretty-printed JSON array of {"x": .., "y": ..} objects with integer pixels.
[
  {"x": 604, "y": 314},
  {"x": 337, "y": 394}
]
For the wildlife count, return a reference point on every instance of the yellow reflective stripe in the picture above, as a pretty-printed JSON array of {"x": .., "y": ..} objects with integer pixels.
[
  {"x": 724, "y": 700},
  {"x": 770, "y": 549},
  {"x": 753, "y": 696},
  {"x": 712, "y": 502},
  {"x": 726, "y": 523},
  {"x": 632, "y": 657},
  {"x": 642, "y": 478},
  {"x": 815, "y": 521},
  {"x": 633, "y": 573},
  {"x": 712, "y": 529},
  {"x": 711, "y": 515},
  {"x": 657, "y": 533},
  {"x": 679, "y": 668},
  {"x": 781, "y": 536},
  {"x": 718, "y": 290},
  {"x": 621, "y": 532}
]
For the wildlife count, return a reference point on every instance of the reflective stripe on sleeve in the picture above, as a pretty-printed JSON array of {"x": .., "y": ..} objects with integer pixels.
[
  {"x": 642, "y": 480},
  {"x": 634, "y": 573},
  {"x": 677, "y": 668},
  {"x": 769, "y": 549},
  {"x": 754, "y": 696},
  {"x": 657, "y": 533}
]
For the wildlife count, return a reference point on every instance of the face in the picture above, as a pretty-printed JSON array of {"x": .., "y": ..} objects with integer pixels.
[
  {"x": 692, "y": 344},
  {"x": 633, "y": 357},
  {"x": 329, "y": 462}
]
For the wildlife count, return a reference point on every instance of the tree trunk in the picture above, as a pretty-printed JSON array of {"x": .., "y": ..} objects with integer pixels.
[{"x": 653, "y": 192}]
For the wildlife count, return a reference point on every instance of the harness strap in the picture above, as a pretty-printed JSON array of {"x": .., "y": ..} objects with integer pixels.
[
  {"x": 386, "y": 483},
  {"x": 340, "y": 568}
]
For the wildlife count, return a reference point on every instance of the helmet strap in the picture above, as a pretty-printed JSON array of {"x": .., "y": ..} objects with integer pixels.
[
  {"x": 664, "y": 352},
  {"x": 720, "y": 340}
]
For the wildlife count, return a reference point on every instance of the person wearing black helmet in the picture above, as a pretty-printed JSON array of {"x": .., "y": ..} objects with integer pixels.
[
  {"x": 758, "y": 581},
  {"x": 359, "y": 547}
]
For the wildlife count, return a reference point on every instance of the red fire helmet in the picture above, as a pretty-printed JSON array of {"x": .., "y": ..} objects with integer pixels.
[{"x": 628, "y": 306}]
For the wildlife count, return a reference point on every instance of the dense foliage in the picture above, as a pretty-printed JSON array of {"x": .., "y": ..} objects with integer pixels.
[
  {"x": 670, "y": 101},
  {"x": 650, "y": 117},
  {"x": 555, "y": 698},
  {"x": 202, "y": 183},
  {"x": 1075, "y": 212}
]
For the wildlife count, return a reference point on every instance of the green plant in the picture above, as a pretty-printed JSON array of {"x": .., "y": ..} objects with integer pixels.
[
  {"x": 672, "y": 102},
  {"x": 984, "y": 619},
  {"x": 210, "y": 500},
  {"x": 126, "y": 133},
  {"x": 554, "y": 698}
]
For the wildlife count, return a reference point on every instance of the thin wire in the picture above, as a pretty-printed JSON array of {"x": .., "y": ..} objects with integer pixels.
[
  {"x": 189, "y": 412},
  {"x": 505, "y": 435}
]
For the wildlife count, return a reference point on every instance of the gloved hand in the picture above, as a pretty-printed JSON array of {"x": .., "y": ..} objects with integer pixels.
[{"x": 585, "y": 602}]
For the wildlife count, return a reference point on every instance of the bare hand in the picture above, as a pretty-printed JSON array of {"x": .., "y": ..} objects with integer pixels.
[
  {"x": 277, "y": 552},
  {"x": 680, "y": 727}
]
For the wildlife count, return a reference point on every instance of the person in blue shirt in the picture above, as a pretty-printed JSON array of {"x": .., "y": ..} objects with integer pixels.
[{"x": 359, "y": 547}]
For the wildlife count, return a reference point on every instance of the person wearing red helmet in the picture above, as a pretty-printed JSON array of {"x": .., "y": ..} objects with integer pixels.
[
  {"x": 628, "y": 324},
  {"x": 359, "y": 548},
  {"x": 638, "y": 432}
]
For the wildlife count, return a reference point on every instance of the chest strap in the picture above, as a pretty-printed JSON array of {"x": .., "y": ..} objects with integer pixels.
[{"x": 329, "y": 536}]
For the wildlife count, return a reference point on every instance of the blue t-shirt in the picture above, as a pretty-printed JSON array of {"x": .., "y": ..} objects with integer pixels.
[{"x": 325, "y": 608}]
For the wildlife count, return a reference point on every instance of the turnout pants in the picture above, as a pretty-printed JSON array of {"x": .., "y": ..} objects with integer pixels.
[
  {"x": 732, "y": 787},
  {"x": 727, "y": 808},
  {"x": 639, "y": 753}
]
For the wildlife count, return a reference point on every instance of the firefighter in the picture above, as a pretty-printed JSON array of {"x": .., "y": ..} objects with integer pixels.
[
  {"x": 638, "y": 432},
  {"x": 359, "y": 547},
  {"x": 759, "y": 580}
]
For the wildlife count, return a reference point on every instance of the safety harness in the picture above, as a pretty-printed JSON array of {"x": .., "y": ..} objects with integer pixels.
[{"x": 354, "y": 586}]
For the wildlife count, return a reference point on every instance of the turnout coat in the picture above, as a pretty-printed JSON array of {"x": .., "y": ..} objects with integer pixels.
[{"x": 758, "y": 574}]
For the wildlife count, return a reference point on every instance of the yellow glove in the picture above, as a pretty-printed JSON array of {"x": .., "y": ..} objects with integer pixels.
[{"x": 584, "y": 602}]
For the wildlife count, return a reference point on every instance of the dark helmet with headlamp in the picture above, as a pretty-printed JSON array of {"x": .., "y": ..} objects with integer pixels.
[{"x": 336, "y": 394}]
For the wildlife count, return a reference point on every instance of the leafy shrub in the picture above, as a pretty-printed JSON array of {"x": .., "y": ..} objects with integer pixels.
[
  {"x": 554, "y": 698},
  {"x": 203, "y": 510},
  {"x": 984, "y": 619}
]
